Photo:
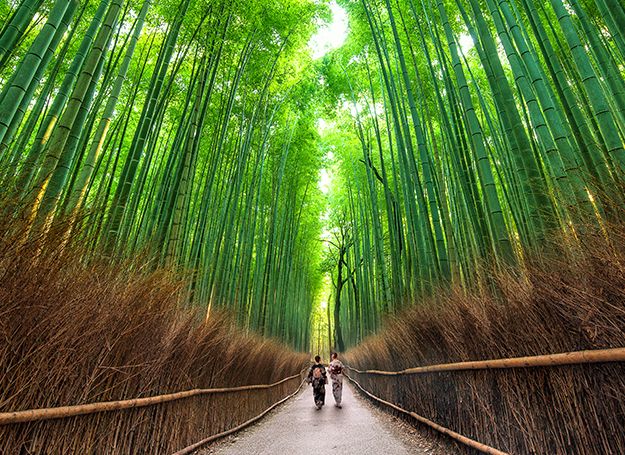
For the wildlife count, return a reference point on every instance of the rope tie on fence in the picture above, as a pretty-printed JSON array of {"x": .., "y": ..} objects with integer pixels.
[
  {"x": 32, "y": 415},
  {"x": 565, "y": 358}
]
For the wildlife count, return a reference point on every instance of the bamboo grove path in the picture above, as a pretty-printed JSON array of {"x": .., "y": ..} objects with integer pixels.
[{"x": 298, "y": 428}]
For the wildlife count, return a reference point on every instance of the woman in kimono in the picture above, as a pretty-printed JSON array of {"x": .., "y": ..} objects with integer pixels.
[
  {"x": 336, "y": 374},
  {"x": 317, "y": 378}
]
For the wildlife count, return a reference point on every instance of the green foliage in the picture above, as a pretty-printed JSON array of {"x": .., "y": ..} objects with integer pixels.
[
  {"x": 456, "y": 132},
  {"x": 206, "y": 159},
  {"x": 463, "y": 132}
]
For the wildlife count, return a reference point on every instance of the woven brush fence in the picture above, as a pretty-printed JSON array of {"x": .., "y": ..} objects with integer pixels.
[
  {"x": 74, "y": 333},
  {"x": 573, "y": 304}
]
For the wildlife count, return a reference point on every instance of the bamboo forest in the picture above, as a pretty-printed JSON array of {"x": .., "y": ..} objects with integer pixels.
[{"x": 199, "y": 196}]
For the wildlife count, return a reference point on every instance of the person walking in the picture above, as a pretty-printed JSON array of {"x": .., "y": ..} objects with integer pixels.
[
  {"x": 336, "y": 374},
  {"x": 317, "y": 377}
]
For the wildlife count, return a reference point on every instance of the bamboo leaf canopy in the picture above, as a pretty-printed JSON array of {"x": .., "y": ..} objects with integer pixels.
[{"x": 313, "y": 188}]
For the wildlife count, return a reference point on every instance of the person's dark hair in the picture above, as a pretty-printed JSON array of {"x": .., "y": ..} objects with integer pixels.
[
  {"x": 334, "y": 355},
  {"x": 317, "y": 359}
]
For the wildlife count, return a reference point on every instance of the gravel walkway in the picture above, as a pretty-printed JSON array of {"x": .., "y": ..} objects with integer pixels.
[{"x": 298, "y": 428}]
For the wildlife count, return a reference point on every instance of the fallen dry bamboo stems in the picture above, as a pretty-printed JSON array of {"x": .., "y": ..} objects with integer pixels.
[
  {"x": 193, "y": 447},
  {"x": 566, "y": 358},
  {"x": 457, "y": 436},
  {"x": 32, "y": 415}
]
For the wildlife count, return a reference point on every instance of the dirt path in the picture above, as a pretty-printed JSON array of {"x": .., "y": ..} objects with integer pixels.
[{"x": 298, "y": 428}]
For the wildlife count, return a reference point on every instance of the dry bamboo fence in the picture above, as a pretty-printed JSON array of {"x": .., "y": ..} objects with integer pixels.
[
  {"x": 113, "y": 337},
  {"x": 457, "y": 436},
  {"x": 32, "y": 415},
  {"x": 548, "y": 360},
  {"x": 193, "y": 447}
]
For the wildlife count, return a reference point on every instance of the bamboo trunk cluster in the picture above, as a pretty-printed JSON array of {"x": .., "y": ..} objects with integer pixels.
[
  {"x": 174, "y": 133},
  {"x": 480, "y": 134}
]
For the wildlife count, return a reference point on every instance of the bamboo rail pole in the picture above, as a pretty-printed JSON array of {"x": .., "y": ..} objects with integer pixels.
[
  {"x": 32, "y": 415},
  {"x": 193, "y": 447},
  {"x": 457, "y": 436},
  {"x": 565, "y": 358}
]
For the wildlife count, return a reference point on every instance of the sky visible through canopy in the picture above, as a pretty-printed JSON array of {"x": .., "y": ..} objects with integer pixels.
[{"x": 329, "y": 36}]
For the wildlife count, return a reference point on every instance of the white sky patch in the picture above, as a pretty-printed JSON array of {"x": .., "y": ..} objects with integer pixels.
[
  {"x": 323, "y": 125},
  {"x": 330, "y": 36},
  {"x": 466, "y": 43},
  {"x": 325, "y": 173},
  {"x": 355, "y": 109},
  {"x": 324, "y": 181}
]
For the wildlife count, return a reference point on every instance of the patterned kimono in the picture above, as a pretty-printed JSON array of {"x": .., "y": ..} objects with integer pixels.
[
  {"x": 336, "y": 374},
  {"x": 318, "y": 384}
]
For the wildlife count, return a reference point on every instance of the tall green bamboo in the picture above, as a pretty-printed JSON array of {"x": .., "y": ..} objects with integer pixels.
[
  {"x": 13, "y": 94},
  {"x": 15, "y": 28}
]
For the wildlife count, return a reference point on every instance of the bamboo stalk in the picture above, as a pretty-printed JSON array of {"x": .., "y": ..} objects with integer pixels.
[
  {"x": 457, "y": 436},
  {"x": 33, "y": 415},
  {"x": 565, "y": 358},
  {"x": 193, "y": 447}
]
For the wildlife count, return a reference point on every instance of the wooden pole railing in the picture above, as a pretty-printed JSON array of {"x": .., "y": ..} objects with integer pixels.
[
  {"x": 32, "y": 415},
  {"x": 548, "y": 360},
  {"x": 193, "y": 447},
  {"x": 457, "y": 436}
]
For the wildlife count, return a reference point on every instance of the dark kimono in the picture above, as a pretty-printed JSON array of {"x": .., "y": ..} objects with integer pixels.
[{"x": 318, "y": 384}]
